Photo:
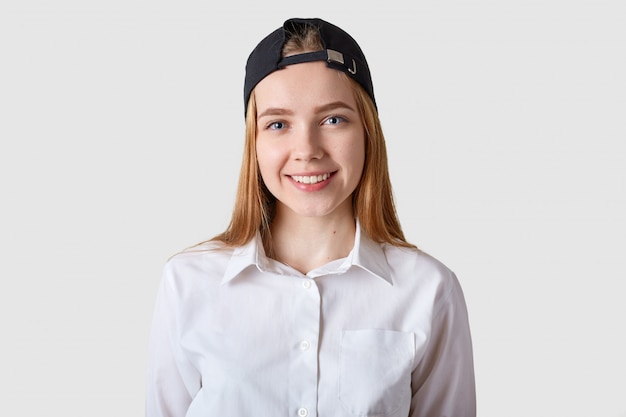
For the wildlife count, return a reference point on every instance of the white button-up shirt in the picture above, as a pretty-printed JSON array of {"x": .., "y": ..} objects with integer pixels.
[{"x": 382, "y": 332}]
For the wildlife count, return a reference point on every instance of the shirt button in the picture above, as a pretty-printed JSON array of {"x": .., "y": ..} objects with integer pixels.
[
  {"x": 306, "y": 284},
  {"x": 304, "y": 345},
  {"x": 303, "y": 412}
]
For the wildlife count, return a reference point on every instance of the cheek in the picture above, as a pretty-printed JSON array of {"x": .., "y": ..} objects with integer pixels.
[
  {"x": 358, "y": 170},
  {"x": 359, "y": 154},
  {"x": 356, "y": 157},
  {"x": 269, "y": 159}
]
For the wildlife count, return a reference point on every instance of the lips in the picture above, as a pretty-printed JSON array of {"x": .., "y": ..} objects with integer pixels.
[{"x": 310, "y": 179}]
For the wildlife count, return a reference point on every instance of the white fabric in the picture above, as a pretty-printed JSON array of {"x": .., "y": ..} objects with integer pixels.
[{"x": 382, "y": 332}]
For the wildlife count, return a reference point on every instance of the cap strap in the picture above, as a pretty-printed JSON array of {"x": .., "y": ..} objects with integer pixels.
[
  {"x": 329, "y": 55},
  {"x": 301, "y": 58}
]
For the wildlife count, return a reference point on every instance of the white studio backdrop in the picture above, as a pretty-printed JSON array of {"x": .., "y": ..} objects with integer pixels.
[{"x": 121, "y": 132}]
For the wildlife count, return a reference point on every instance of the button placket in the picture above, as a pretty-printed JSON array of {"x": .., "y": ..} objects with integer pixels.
[{"x": 303, "y": 368}]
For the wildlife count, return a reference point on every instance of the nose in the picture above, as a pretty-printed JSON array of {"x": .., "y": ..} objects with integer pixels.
[{"x": 307, "y": 145}]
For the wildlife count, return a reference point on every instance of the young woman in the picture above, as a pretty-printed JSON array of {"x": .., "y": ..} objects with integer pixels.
[{"x": 311, "y": 303}]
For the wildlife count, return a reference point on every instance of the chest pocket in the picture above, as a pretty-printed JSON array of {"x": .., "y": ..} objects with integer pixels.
[{"x": 375, "y": 371}]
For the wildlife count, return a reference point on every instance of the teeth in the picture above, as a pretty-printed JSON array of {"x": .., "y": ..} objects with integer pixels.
[{"x": 310, "y": 179}]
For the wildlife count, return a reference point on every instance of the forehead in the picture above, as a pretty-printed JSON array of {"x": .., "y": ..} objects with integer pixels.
[{"x": 303, "y": 86}]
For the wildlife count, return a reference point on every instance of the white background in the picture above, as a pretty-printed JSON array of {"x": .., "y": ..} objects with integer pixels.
[{"x": 121, "y": 127}]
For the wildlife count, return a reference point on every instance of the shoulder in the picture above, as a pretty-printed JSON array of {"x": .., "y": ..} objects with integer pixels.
[
  {"x": 417, "y": 269},
  {"x": 403, "y": 260},
  {"x": 203, "y": 262}
]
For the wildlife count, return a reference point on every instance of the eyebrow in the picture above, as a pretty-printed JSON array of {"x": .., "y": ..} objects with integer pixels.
[
  {"x": 274, "y": 111},
  {"x": 277, "y": 111},
  {"x": 333, "y": 105}
]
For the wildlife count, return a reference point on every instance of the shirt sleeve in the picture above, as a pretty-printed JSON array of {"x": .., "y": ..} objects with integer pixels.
[
  {"x": 443, "y": 382},
  {"x": 170, "y": 377}
]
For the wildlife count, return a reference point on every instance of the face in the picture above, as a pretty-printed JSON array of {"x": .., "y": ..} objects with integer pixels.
[{"x": 310, "y": 140}]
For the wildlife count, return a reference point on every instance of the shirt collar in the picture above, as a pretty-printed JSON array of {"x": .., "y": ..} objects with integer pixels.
[
  {"x": 366, "y": 254},
  {"x": 370, "y": 256}
]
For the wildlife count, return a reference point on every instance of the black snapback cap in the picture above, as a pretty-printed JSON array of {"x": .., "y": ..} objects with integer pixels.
[{"x": 340, "y": 52}]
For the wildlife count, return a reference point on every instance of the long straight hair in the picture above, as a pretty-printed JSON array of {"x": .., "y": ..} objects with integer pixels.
[{"x": 372, "y": 200}]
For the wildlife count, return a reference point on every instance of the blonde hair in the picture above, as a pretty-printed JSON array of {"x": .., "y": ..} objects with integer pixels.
[{"x": 372, "y": 199}]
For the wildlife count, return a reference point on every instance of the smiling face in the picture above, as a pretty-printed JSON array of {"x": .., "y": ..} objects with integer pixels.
[{"x": 310, "y": 142}]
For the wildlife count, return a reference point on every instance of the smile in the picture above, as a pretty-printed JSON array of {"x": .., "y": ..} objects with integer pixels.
[{"x": 310, "y": 179}]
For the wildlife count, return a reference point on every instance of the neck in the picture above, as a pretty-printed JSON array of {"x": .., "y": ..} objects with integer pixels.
[{"x": 305, "y": 243}]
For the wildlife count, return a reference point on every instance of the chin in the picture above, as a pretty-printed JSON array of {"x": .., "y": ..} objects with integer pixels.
[
  {"x": 318, "y": 210},
  {"x": 313, "y": 213}
]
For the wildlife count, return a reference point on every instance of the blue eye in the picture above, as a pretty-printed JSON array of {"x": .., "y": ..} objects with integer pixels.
[
  {"x": 276, "y": 126},
  {"x": 334, "y": 120}
]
